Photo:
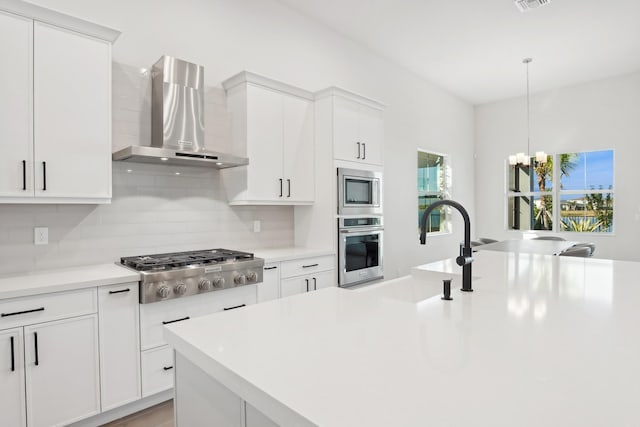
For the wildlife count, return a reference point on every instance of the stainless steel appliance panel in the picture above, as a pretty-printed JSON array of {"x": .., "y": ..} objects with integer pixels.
[
  {"x": 359, "y": 192},
  {"x": 360, "y": 251}
]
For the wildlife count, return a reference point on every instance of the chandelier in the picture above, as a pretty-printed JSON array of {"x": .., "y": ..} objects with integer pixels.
[{"x": 523, "y": 159}]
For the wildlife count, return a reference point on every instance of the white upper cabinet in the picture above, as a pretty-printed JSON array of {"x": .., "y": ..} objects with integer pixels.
[
  {"x": 55, "y": 109},
  {"x": 16, "y": 88},
  {"x": 358, "y": 127},
  {"x": 272, "y": 124},
  {"x": 72, "y": 112}
]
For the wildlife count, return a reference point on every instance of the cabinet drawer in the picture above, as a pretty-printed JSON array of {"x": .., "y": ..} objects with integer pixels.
[
  {"x": 43, "y": 308},
  {"x": 306, "y": 266},
  {"x": 154, "y": 314},
  {"x": 157, "y": 370}
]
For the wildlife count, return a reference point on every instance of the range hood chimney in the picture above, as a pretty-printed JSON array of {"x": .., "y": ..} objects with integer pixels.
[{"x": 177, "y": 120}]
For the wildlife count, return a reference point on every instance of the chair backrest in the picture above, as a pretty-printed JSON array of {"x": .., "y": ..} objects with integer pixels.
[
  {"x": 475, "y": 243},
  {"x": 583, "y": 251},
  {"x": 591, "y": 246},
  {"x": 486, "y": 240},
  {"x": 549, "y": 238}
]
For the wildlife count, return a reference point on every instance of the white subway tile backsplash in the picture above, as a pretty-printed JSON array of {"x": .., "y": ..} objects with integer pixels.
[{"x": 153, "y": 210}]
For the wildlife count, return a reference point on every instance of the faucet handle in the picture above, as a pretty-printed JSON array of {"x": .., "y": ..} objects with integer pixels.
[{"x": 464, "y": 260}]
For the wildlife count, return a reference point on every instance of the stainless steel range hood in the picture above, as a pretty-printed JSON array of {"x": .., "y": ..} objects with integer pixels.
[{"x": 177, "y": 120}]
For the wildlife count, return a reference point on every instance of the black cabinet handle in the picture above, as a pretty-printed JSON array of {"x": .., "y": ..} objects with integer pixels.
[
  {"x": 35, "y": 345},
  {"x": 24, "y": 175},
  {"x": 168, "y": 368},
  {"x": 233, "y": 308},
  {"x": 280, "y": 187},
  {"x": 16, "y": 313},
  {"x": 310, "y": 265},
  {"x": 44, "y": 176},
  {"x": 364, "y": 151},
  {"x": 13, "y": 357},
  {"x": 358, "y": 151},
  {"x": 288, "y": 188},
  {"x": 315, "y": 284},
  {"x": 271, "y": 268},
  {"x": 174, "y": 321},
  {"x": 120, "y": 291},
  {"x": 307, "y": 280}
]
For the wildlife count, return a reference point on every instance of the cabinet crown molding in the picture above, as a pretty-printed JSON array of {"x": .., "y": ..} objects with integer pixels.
[
  {"x": 338, "y": 91},
  {"x": 257, "y": 79},
  {"x": 48, "y": 16}
]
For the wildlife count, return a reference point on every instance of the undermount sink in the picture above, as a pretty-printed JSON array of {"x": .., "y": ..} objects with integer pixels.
[{"x": 407, "y": 289}]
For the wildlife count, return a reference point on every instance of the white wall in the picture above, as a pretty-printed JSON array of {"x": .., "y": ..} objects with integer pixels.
[
  {"x": 263, "y": 36},
  {"x": 598, "y": 115}
]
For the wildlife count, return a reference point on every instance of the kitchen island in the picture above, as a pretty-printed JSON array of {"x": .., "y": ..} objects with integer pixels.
[{"x": 542, "y": 341}]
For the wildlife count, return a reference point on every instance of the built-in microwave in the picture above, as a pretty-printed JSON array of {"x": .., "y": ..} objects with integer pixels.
[{"x": 359, "y": 192}]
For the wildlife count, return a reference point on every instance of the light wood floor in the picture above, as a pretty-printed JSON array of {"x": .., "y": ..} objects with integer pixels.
[{"x": 160, "y": 415}]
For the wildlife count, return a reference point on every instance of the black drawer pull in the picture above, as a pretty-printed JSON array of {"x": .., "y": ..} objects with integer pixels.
[
  {"x": 310, "y": 265},
  {"x": 288, "y": 188},
  {"x": 22, "y": 312},
  {"x": 44, "y": 176},
  {"x": 280, "y": 187},
  {"x": 271, "y": 268},
  {"x": 233, "y": 308},
  {"x": 174, "y": 321},
  {"x": 168, "y": 368},
  {"x": 358, "y": 151},
  {"x": 13, "y": 357},
  {"x": 315, "y": 284},
  {"x": 24, "y": 175},
  {"x": 307, "y": 280},
  {"x": 35, "y": 346},
  {"x": 119, "y": 292}
]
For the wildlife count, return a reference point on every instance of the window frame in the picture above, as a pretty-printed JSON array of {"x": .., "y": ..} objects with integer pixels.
[
  {"x": 556, "y": 193},
  {"x": 445, "y": 192}
]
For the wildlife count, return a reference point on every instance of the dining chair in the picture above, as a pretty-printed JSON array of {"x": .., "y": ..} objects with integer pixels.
[
  {"x": 549, "y": 238},
  {"x": 486, "y": 240},
  {"x": 584, "y": 252}
]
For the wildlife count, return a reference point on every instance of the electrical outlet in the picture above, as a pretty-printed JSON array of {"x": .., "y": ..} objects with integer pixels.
[
  {"x": 256, "y": 226},
  {"x": 41, "y": 235}
]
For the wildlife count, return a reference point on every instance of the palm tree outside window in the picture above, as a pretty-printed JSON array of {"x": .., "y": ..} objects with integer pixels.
[{"x": 433, "y": 184}]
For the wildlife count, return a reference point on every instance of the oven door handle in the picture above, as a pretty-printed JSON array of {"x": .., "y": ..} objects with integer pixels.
[{"x": 361, "y": 231}]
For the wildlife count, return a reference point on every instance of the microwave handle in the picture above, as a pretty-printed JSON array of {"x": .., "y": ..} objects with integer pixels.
[{"x": 376, "y": 192}]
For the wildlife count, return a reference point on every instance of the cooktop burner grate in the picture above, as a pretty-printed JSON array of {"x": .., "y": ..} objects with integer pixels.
[{"x": 169, "y": 261}]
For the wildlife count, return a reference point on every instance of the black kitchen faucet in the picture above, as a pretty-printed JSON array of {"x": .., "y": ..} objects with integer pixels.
[{"x": 464, "y": 259}]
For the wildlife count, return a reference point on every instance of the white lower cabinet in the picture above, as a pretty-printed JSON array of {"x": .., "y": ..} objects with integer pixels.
[
  {"x": 62, "y": 371},
  {"x": 12, "y": 403},
  {"x": 119, "y": 322},
  {"x": 269, "y": 289},
  {"x": 306, "y": 275},
  {"x": 157, "y": 370}
]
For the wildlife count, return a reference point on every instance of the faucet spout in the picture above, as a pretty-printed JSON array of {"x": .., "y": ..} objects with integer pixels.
[{"x": 465, "y": 259}]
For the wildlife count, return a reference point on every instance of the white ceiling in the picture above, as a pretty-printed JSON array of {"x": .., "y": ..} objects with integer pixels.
[{"x": 474, "y": 48}]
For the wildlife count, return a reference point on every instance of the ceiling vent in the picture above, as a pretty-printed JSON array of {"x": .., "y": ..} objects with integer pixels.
[{"x": 527, "y": 5}]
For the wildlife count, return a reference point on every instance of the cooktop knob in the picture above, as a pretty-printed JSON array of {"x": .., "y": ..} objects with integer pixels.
[
  {"x": 163, "y": 291},
  {"x": 252, "y": 276},
  {"x": 240, "y": 279},
  {"x": 180, "y": 288},
  {"x": 218, "y": 282},
  {"x": 204, "y": 285}
]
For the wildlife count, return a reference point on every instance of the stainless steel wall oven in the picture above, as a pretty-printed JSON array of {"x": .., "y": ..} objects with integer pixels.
[{"x": 360, "y": 250}]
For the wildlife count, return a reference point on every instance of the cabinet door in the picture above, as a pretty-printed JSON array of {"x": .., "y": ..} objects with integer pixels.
[
  {"x": 295, "y": 285},
  {"x": 345, "y": 130},
  {"x": 371, "y": 134},
  {"x": 118, "y": 318},
  {"x": 264, "y": 144},
  {"x": 12, "y": 408},
  {"x": 324, "y": 279},
  {"x": 16, "y": 106},
  {"x": 61, "y": 361},
  {"x": 269, "y": 289},
  {"x": 72, "y": 112},
  {"x": 299, "y": 168}
]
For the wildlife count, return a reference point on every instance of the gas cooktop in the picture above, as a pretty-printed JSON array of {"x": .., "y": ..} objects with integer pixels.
[{"x": 170, "y": 261}]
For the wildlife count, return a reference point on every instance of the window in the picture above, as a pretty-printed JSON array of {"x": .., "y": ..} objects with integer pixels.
[
  {"x": 586, "y": 191},
  {"x": 530, "y": 200},
  {"x": 432, "y": 186},
  {"x": 583, "y": 200}
]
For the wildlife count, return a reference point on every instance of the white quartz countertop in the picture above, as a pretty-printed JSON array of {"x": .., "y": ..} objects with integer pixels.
[
  {"x": 290, "y": 253},
  {"x": 65, "y": 279},
  {"x": 542, "y": 341}
]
